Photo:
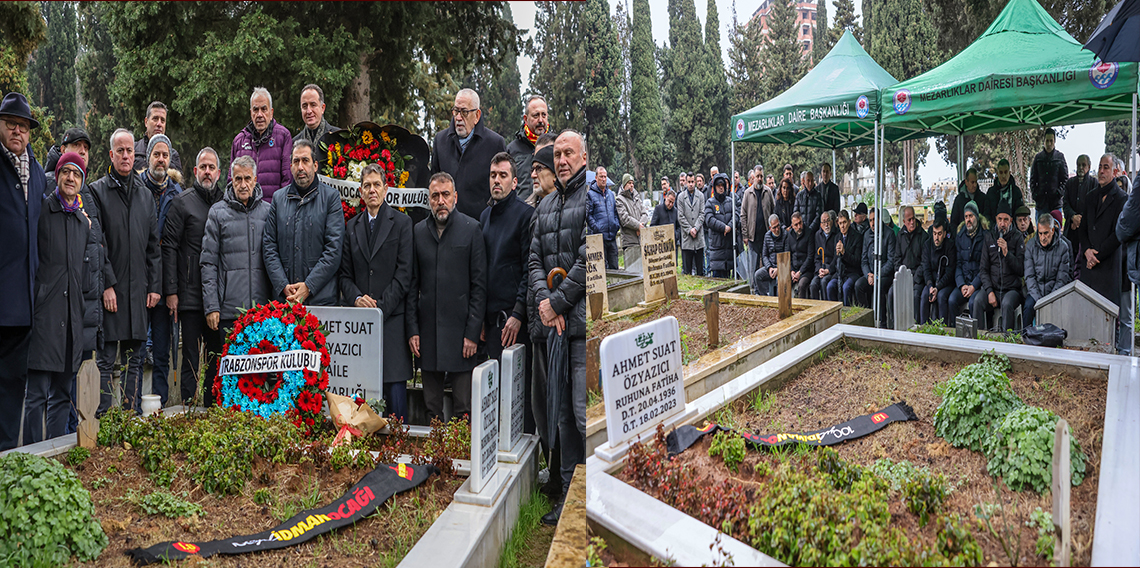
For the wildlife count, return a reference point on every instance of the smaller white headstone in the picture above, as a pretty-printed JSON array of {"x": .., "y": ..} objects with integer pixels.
[
  {"x": 642, "y": 378},
  {"x": 904, "y": 299},
  {"x": 512, "y": 407},
  {"x": 485, "y": 426}
]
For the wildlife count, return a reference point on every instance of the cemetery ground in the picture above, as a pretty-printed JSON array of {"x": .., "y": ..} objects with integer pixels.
[{"x": 864, "y": 500}]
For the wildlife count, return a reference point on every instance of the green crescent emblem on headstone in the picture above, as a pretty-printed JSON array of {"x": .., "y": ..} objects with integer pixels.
[
  {"x": 644, "y": 340},
  {"x": 491, "y": 379}
]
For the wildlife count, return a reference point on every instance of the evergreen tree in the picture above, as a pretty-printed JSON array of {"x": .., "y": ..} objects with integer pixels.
[
  {"x": 714, "y": 127},
  {"x": 1117, "y": 140},
  {"x": 623, "y": 158},
  {"x": 22, "y": 29},
  {"x": 51, "y": 73},
  {"x": 602, "y": 83},
  {"x": 845, "y": 19},
  {"x": 645, "y": 116},
  {"x": 784, "y": 65},
  {"x": 559, "y": 68},
  {"x": 746, "y": 78},
  {"x": 499, "y": 91},
  {"x": 821, "y": 41},
  {"x": 684, "y": 64}
]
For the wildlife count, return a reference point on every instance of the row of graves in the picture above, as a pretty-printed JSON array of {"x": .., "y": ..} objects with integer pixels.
[
  {"x": 857, "y": 446},
  {"x": 296, "y": 461}
]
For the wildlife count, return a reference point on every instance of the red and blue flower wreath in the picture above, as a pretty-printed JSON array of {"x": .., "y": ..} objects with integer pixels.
[{"x": 272, "y": 328}]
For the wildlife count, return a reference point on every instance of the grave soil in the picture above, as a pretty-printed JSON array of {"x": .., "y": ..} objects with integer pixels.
[
  {"x": 112, "y": 473},
  {"x": 736, "y": 321},
  {"x": 853, "y": 382}
]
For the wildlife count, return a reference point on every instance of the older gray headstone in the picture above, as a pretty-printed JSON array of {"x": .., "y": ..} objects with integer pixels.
[{"x": 903, "y": 300}]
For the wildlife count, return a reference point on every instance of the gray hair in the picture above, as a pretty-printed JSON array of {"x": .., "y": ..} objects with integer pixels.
[
  {"x": 1110, "y": 156},
  {"x": 773, "y": 217},
  {"x": 529, "y": 99},
  {"x": 472, "y": 94},
  {"x": 1084, "y": 157},
  {"x": 119, "y": 131},
  {"x": 442, "y": 177},
  {"x": 1047, "y": 219},
  {"x": 206, "y": 150},
  {"x": 1118, "y": 163},
  {"x": 374, "y": 168},
  {"x": 262, "y": 91},
  {"x": 244, "y": 162},
  {"x": 582, "y": 137}
]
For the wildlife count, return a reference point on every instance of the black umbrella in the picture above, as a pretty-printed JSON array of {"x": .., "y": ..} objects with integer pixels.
[
  {"x": 1117, "y": 38},
  {"x": 558, "y": 364}
]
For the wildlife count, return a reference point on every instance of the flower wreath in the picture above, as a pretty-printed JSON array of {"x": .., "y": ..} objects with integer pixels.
[
  {"x": 346, "y": 161},
  {"x": 271, "y": 328}
]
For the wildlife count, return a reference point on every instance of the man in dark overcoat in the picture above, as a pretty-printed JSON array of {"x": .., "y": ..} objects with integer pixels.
[
  {"x": 1101, "y": 264},
  {"x": 376, "y": 272},
  {"x": 132, "y": 269},
  {"x": 448, "y": 298}
]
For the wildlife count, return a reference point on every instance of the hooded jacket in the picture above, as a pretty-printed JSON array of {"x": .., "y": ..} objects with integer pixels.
[
  {"x": 560, "y": 242},
  {"x": 272, "y": 150},
  {"x": 718, "y": 215},
  {"x": 969, "y": 251},
  {"x": 1047, "y": 268},
  {"x": 233, "y": 272},
  {"x": 601, "y": 212},
  {"x": 182, "y": 245}
]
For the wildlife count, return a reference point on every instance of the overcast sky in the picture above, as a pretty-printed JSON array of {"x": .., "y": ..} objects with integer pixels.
[{"x": 1083, "y": 139}]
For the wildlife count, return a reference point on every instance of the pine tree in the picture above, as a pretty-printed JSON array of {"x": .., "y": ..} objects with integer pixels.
[
  {"x": 498, "y": 88},
  {"x": 715, "y": 125},
  {"x": 845, "y": 19},
  {"x": 559, "y": 56},
  {"x": 684, "y": 63},
  {"x": 821, "y": 42},
  {"x": 645, "y": 116},
  {"x": 601, "y": 87},
  {"x": 51, "y": 73}
]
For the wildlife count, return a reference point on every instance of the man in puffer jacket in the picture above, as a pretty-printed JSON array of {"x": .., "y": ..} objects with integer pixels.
[
  {"x": 560, "y": 242},
  {"x": 632, "y": 217},
  {"x": 267, "y": 142},
  {"x": 1002, "y": 266},
  {"x": 233, "y": 273},
  {"x": 601, "y": 216},
  {"x": 1048, "y": 266},
  {"x": 775, "y": 242},
  {"x": 718, "y": 219},
  {"x": 969, "y": 243}
]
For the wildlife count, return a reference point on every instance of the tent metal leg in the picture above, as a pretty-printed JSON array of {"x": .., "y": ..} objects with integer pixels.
[
  {"x": 879, "y": 212},
  {"x": 735, "y": 212}
]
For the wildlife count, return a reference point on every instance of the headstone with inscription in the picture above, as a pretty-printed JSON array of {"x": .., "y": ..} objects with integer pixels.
[
  {"x": 658, "y": 260},
  {"x": 355, "y": 340},
  {"x": 486, "y": 478},
  {"x": 596, "y": 273},
  {"x": 512, "y": 407},
  {"x": 642, "y": 379}
]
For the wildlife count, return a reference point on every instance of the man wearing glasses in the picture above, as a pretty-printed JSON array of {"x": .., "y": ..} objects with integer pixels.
[
  {"x": 464, "y": 151},
  {"x": 21, "y": 195}
]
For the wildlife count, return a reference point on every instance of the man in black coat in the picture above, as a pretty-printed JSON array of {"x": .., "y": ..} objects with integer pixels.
[
  {"x": 799, "y": 242},
  {"x": 132, "y": 270},
  {"x": 1047, "y": 176},
  {"x": 908, "y": 252},
  {"x": 448, "y": 297},
  {"x": 1101, "y": 265},
  {"x": 939, "y": 256},
  {"x": 155, "y": 122},
  {"x": 57, "y": 324},
  {"x": 1076, "y": 189},
  {"x": 1001, "y": 270},
  {"x": 376, "y": 272},
  {"x": 506, "y": 225},
  {"x": 764, "y": 280},
  {"x": 536, "y": 122},
  {"x": 832, "y": 200},
  {"x": 560, "y": 242},
  {"x": 967, "y": 191},
  {"x": 823, "y": 255},
  {"x": 21, "y": 198},
  {"x": 182, "y": 271},
  {"x": 464, "y": 150}
]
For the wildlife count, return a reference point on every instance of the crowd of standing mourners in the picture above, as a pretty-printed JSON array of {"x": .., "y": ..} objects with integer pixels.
[{"x": 113, "y": 268}]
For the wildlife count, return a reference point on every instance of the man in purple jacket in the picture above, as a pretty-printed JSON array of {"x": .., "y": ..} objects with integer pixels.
[{"x": 267, "y": 142}]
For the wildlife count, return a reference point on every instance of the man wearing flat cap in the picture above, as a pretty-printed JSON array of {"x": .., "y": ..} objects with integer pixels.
[{"x": 22, "y": 184}]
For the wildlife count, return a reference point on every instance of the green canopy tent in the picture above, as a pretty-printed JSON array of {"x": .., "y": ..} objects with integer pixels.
[
  {"x": 836, "y": 105},
  {"x": 1024, "y": 72}
]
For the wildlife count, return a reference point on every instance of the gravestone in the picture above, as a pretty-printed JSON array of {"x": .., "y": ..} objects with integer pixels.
[
  {"x": 512, "y": 407},
  {"x": 1062, "y": 486},
  {"x": 642, "y": 378},
  {"x": 87, "y": 395},
  {"x": 966, "y": 327},
  {"x": 355, "y": 340},
  {"x": 903, "y": 301},
  {"x": 485, "y": 426},
  {"x": 658, "y": 260},
  {"x": 596, "y": 276},
  {"x": 1081, "y": 311},
  {"x": 711, "y": 302},
  {"x": 784, "y": 283}
]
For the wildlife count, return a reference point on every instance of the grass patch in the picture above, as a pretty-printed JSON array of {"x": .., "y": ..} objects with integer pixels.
[{"x": 525, "y": 528}]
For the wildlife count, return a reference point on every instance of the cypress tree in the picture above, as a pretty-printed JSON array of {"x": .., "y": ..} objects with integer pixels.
[
  {"x": 715, "y": 125},
  {"x": 602, "y": 83},
  {"x": 684, "y": 64},
  {"x": 645, "y": 117}
]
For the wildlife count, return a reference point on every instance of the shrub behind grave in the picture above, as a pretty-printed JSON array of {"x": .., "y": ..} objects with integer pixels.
[{"x": 46, "y": 516}]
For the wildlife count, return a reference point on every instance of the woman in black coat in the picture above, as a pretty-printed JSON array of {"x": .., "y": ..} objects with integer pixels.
[
  {"x": 376, "y": 272},
  {"x": 57, "y": 321}
]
